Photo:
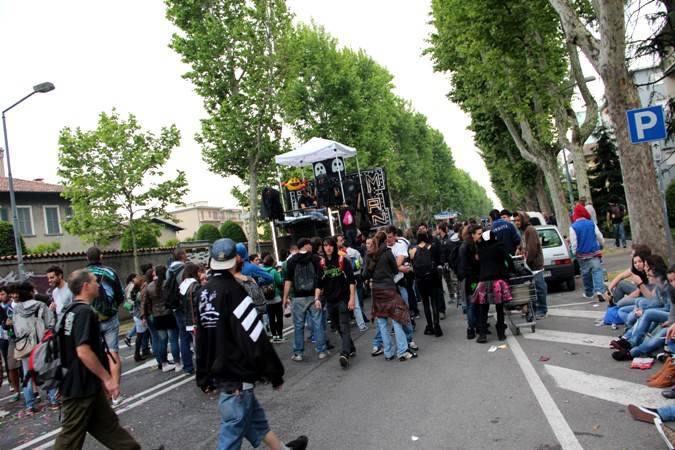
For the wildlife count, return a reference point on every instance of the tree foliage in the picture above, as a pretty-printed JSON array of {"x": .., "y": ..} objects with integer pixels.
[
  {"x": 233, "y": 231},
  {"x": 110, "y": 177},
  {"x": 7, "y": 244},
  {"x": 147, "y": 234},
  {"x": 605, "y": 174},
  {"x": 343, "y": 94},
  {"x": 207, "y": 232},
  {"x": 236, "y": 54},
  {"x": 49, "y": 247}
]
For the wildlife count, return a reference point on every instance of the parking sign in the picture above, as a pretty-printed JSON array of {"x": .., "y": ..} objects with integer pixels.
[{"x": 646, "y": 124}]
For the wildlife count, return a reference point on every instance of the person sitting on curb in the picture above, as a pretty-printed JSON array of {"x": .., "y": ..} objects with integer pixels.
[{"x": 622, "y": 291}]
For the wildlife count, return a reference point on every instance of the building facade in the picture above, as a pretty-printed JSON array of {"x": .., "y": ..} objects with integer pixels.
[{"x": 194, "y": 215}]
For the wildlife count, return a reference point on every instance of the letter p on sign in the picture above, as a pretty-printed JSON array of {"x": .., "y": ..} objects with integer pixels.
[{"x": 646, "y": 124}]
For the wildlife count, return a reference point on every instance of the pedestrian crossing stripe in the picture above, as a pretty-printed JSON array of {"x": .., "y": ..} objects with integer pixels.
[
  {"x": 609, "y": 389},
  {"x": 567, "y": 337},
  {"x": 577, "y": 313}
]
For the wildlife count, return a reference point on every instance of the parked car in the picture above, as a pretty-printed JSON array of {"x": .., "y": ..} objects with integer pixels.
[{"x": 559, "y": 266}]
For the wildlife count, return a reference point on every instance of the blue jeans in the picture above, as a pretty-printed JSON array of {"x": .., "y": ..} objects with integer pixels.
[
  {"x": 667, "y": 413},
  {"x": 131, "y": 333},
  {"x": 622, "y": 289},
  {"x": 541, "y": 291},
  {"x": 592, "y": 276},
  {"x": 28, "y": 397},
  {"x": 110, "y": 329},
  {"x": 241, "y": 416},
  {"x": 648, "y": 346},
  {"x": 303, "y": 308},
  {"x": 644, "y": 324},
  {"x": 159, "y": 346},
  {"x": 358, "y": 313},
  {"x": 185, "y": 340},
  {"x": 619, "y": 234},
  {"x": 401, "y": 341},
  {"x": 407, "y": 328}
]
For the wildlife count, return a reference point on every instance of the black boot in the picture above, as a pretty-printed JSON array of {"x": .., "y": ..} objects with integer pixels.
[
  {"x": 482, "y": 338},
  {"x": 437, "y": 331},
  {"x": 470, "y": 333},
  {"x": 429, "y": 330},
  {"x": 501, "y": 332},
  {"x": 137, "y": 353}
]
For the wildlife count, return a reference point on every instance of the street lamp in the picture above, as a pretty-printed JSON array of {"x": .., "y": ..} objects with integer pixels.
[{"x": 40, "y": 88}]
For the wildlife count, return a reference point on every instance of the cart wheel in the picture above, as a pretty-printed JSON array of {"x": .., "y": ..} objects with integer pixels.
[
  {"x": 533, "y": 328},
  {"x": 517, "y": 331}
]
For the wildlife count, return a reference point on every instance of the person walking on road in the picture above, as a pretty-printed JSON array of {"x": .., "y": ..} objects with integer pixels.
[
  {"x": 468, "y": 270},
  {"x": 88, "y": 382},
  {"x": 530, "y": 248},
  {"x": 338, "y": 291},
  {"x": 586, "y": 242},
  {"x": 615, "y": 214},
  {"x": 234, "y": 351},
  {"x": 161, "y": 320},
  {"x": 106, "y": 305},
  {"x": 425, "y": 258}
]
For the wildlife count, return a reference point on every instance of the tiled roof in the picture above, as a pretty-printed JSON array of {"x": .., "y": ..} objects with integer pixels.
[
  {"x": 84, "y": 254},
  {"x": 29, "y": 186}
]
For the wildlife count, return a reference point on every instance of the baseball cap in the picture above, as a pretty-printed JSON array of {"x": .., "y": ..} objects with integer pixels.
[{"x": 223, "y": 254}]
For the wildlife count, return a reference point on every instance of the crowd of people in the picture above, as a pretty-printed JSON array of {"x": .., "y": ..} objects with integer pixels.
[{"x": 220, "y": 321}]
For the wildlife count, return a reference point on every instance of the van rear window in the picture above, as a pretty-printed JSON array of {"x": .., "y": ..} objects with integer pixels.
[{"x": 549, "y": 238}]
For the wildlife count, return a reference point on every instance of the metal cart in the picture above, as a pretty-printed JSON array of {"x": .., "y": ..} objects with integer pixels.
[{"x": 524, "y": 294}]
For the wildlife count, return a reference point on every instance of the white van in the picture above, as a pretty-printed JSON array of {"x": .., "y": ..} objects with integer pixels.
[{"x": 558, "y": 262}]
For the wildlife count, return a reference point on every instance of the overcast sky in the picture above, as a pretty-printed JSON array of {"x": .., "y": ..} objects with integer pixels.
[{"x": 102, "y": 55}]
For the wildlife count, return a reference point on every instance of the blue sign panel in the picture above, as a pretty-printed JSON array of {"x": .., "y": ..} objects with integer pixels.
[{"x": 646, "y": 124}]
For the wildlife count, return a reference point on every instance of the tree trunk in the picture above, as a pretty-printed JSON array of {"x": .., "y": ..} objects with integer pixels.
[
  {"x": 550, "y": 169},
  {"x": 253, "y": 209},
  {"x": 132, "y": 230},
  {"x": 580, "y": 170},
  {"x": 542, "y": 196}
]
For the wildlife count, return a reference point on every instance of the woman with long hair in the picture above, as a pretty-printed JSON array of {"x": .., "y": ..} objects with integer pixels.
[
  {"x": 160, "y": 318},
  {"x": 387, "y": 303},
  {"x": 275, "y": 311},
  {"x": 468, "y": 270}
]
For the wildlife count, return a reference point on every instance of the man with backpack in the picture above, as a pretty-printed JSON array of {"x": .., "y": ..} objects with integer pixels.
[
  {"x": 31, "y": 320},
  {"x": 173, "y": 301},
  {"x": 88, "y": 383},
  {"x": 338, "y": 290},
  {"x": 106, "y": 305},
  {"x": 302, "y": 279},
  {"x": 425, "y": 258}
]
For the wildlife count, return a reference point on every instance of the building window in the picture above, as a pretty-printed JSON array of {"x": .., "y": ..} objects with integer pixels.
[
  {"x": 69, "y": 212},
  {"x": 4, "y": 214},
  {"x": 25, "y": 214},
  {"x": 52, "y": 220}
]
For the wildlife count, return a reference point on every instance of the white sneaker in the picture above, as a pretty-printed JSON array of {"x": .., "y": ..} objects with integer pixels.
[
  {"x": 322, "y": 355},
  {"x": 179, "y": 367},
  {"x": 168, "y": 367},
  {"x": 297, "y": 357},
  {"x": 118, "y": 401}
]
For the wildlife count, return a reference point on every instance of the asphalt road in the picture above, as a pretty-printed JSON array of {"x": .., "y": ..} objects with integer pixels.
[{"x": 555, "y": 388}]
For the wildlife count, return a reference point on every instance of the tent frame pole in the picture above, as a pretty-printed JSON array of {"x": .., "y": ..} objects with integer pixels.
[{"x": 358, "y": 170}]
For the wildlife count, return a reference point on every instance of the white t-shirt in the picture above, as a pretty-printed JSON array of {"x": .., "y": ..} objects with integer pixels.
[
  {"x": 400, "y": 248},
  {"x": 62, "y": 297}
]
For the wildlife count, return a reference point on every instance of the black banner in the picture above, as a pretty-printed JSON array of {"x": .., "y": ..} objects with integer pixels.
[{"x": 376, "y": 192}]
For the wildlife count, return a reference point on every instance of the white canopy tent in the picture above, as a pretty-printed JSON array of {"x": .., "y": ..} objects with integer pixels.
[{"x": 314, "y": 150}]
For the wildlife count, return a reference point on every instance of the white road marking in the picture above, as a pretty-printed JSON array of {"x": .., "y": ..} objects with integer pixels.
[
  {"x": 566, "y": 337},
  {"x": 556, "y": 420},
  {"x": 577, "y": 313},
  {"x": 571, "y": 304},
  {"x": 119, "y": 411},
  {"x": 145, "y": 365},
  {"x": 605, "y": 388}
]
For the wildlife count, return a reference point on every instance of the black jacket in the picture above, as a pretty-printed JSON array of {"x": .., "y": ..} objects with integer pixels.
[
  {"x": 334, "y": 281},
  {"x": 495, "y": 261},
  {"x": 232, "y": 346},
  {"x": 467, "y": 266}
]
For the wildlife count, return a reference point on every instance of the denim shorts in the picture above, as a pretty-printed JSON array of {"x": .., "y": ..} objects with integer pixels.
[
  {"x": 241, "y": 416},
  {"x": 110, "y": 329}
]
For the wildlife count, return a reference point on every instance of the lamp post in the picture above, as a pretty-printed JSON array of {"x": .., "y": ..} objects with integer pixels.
[{"x": 40, "y": 88}]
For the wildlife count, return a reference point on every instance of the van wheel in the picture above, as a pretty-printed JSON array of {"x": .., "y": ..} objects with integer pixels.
[{"x": 570, "y": 284}]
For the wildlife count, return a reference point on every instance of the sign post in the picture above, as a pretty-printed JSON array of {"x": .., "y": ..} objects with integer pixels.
[{"x": 647, "y": 125}]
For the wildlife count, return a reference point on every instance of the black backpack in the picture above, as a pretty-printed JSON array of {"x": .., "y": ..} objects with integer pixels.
[
  {"x": 170, "y": 293},
  {"x": 422, "y": 262},
  {"x": 304, "y": 277},
  {"x": 453, "y": 258}
]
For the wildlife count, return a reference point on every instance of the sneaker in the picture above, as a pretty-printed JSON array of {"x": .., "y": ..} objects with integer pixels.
[
  {"x": 118, "y": 401},
  {"x": 666, "y": 433},
  {"x": 127, "y": 341},
  {"x": 281, "y": 339},
  {"x": 168, "y": 367},
  {"x": 587, "y": 296},
  {"x": 28, "y": 412},
  {"x": 11, "y": 388},
  {"x": 417, "y": 316},
  {"x": 36, "y": 396},
  {"x": 389, "y": 358},
  {"x": 412, "y": 346},
  {"x": 344, "y": 361},
  {"x": 352, "y": 354},
  {"x": 363, "y": 329},
  {"x": 620, "y": 344},
  {"x": 437, "y": 331},
  {"x": 540, "y": 316},
  {"x": 377, "y": 351},
  {"x": 297, "y": 357},
  {"x": 622, "y": 355},
  {"x": 14, "y": 398},
  {"x": 407, "y": 355},
  {"x": 470, "y": 333},
  {"x": 299, "y": 443},
  {"x": 643, "y": 414},
  {"x": 482, "y": 339},
  {"x": 600, "y": 297},
  {"x": 322, "y": 355},
  {"x": 179, "y": 367},
  {"x": 55, "y": 406}
]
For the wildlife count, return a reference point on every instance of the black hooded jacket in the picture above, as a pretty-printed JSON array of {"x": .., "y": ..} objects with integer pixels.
[{"x": 232, "y": 346}]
